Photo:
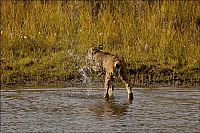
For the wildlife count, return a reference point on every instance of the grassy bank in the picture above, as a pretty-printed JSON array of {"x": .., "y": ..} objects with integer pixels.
[{"x": 46, "y": 41}]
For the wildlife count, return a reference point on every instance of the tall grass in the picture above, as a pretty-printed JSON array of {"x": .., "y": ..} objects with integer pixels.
[{"x": 47, "y": 40}]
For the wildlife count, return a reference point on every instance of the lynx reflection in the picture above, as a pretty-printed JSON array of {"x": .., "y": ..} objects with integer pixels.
[{"x": 111, "y": 108}]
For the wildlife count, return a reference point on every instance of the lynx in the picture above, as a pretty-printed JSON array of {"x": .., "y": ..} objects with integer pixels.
[{"x": 113, "y": 66}]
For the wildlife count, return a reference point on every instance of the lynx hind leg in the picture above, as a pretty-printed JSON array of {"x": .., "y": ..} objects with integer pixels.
[
  {"x": 108, "y": 85},
  {"x": 124, "y": 78},
  {"x": 110, "y": 91},
  {"x": 129, "y": 90}
]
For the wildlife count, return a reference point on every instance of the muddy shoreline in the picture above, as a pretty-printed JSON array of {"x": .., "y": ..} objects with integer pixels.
[{"x": 144, "y": 76}]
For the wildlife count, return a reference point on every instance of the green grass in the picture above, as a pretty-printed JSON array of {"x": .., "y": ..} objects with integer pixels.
[{"x": 45, "y": 41}]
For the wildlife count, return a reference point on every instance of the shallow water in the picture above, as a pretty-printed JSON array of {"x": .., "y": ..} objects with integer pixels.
[{"x": 85, "y": 110}]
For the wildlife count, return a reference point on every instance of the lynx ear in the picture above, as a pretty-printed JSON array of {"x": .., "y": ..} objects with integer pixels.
[{"x": 94, "y": 50}]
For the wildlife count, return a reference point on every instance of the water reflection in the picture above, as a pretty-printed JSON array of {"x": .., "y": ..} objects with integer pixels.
[
  {"x": 110, "y": 107},
  {"x": 77, "y": 110}
]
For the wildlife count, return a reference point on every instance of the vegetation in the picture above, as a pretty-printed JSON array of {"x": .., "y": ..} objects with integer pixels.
[{"x": 46, "y": 41}]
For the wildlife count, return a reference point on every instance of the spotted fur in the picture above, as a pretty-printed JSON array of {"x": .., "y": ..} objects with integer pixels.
[{"x": 112, "y": 65}]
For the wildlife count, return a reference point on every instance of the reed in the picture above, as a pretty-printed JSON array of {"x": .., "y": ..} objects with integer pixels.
[{"x": 47, "y": 40}]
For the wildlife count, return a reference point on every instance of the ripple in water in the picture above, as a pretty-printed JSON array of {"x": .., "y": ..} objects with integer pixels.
[{"x": 78, "y": 110}]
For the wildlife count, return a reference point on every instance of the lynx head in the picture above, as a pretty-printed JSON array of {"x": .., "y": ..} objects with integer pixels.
[{"x": 91, "y": 52}]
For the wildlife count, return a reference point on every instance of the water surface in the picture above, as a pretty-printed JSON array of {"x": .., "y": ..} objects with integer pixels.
[{"x": 85, "y": 110}]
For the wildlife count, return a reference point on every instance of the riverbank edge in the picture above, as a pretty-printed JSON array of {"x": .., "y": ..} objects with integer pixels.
[{"x": 76, "y": 83}]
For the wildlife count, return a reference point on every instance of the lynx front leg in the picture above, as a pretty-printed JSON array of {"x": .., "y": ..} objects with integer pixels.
[{"x": 108, "y": 85}]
